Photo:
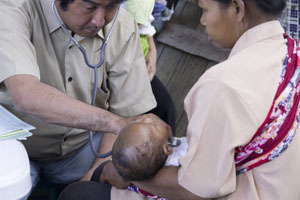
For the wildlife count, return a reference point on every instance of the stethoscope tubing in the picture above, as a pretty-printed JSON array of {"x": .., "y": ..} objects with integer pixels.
[{"x": 95, "y": 67}]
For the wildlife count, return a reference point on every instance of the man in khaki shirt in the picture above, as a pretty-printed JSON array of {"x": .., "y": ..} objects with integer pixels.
[{"x": 45, "y": 81}]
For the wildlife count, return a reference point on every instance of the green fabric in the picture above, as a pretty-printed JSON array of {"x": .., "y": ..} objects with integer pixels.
[
  {"x": 140, "y": 9},
  {"x": 145, "y": 44}
]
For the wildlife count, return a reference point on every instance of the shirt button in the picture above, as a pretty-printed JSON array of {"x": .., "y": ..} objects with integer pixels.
[{"x": 70, "y": 79}]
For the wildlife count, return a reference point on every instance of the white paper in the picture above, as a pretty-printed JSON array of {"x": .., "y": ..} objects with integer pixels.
[
  {"x": 11, "y": 127},
  {"x": 10, "y": 123}
]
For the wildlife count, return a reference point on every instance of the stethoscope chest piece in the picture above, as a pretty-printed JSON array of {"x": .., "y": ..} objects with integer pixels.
[{"x": 174, "y": 142}]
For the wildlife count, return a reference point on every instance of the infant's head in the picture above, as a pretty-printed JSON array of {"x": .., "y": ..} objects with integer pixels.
[{"x": 140, "y": 150}]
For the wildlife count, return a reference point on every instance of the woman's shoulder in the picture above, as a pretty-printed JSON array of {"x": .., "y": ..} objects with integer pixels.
[{"x": 264, "y": 57}]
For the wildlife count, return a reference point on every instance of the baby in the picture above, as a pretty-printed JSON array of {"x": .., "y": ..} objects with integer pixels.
[{"x": 141, "y": 149}]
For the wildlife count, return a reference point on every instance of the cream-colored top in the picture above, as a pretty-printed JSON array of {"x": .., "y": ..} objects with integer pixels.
[
  {"x": 140, "y": 9},
  {"x": 225, "y": 108},
  {"x": 33, "y": 43}
]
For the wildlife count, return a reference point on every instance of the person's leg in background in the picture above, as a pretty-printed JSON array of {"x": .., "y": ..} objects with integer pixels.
[{"x": 165, "y": 108}]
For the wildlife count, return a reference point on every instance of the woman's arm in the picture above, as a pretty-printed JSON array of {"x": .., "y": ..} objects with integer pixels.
[{"x": 165, "y": 184}]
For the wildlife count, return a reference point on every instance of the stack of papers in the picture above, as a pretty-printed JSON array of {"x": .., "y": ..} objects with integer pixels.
[{"x": 12, "y": 127}]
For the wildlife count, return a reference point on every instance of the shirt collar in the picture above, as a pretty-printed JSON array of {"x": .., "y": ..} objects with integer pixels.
[
  {"x": 256, "y": 34},
  {"x": 51, "y": 20}
]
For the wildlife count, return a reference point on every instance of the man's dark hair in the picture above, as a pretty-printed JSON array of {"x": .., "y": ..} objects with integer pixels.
[
  {"x": 138, "y": 162},
  {"x": 64, "y": 3},
  {"x": 271, "y": 7}
]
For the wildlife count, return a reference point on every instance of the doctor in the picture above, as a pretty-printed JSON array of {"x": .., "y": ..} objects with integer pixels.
[{"x": 44, "y": 80}]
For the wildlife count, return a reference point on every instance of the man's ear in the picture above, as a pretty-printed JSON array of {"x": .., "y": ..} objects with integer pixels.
[
  {"x": 239, "y": 7},
  {"x": 167, "y": 149}
]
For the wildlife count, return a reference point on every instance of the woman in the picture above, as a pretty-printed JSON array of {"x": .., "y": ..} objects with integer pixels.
[{"x": 229, "y": 105}]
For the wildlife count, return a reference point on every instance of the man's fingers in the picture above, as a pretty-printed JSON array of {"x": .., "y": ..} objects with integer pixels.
[
  {"x": 154, "y": 119},
  {"x": 151, "y": 119}
]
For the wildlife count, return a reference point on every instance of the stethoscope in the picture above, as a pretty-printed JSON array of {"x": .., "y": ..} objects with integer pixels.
[
  {"x": 95, "y": 67},
  {"x": 172, "y": 141}
]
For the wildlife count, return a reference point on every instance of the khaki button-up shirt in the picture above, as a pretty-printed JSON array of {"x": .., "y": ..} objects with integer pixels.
[
  {"x": 32, "y": 42},
  {"x": 225, "y": 108}
]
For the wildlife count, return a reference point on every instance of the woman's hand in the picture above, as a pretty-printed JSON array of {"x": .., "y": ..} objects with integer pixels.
[{"x": 111, "y": 176}]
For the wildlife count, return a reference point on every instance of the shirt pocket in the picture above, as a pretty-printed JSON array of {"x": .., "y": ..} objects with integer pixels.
[{"x": 103, "y": 92}]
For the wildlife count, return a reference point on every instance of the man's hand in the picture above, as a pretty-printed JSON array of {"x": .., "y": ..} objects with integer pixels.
[
  {"x": 150, "y": 119},
  {"x": 111, "y": 176}
]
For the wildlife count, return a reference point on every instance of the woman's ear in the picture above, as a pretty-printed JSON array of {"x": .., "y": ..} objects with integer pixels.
[
  {"x": 167, "y": 149},
  {"x": 239, "y": 6}
]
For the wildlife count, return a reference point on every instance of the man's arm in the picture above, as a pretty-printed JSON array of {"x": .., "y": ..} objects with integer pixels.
[{"x": 31, "y": 96}]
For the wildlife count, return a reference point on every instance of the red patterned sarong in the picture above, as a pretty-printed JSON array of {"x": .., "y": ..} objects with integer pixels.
[{"x": 278, "y": 130}]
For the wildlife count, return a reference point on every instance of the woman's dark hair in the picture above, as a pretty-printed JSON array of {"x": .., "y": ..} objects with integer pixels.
[
  {"x": 271, "y": 7},
  {"x": 64, "y": 3}
]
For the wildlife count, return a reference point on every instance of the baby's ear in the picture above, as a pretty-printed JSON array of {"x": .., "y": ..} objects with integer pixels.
[{"x": 167, "y": 149}]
